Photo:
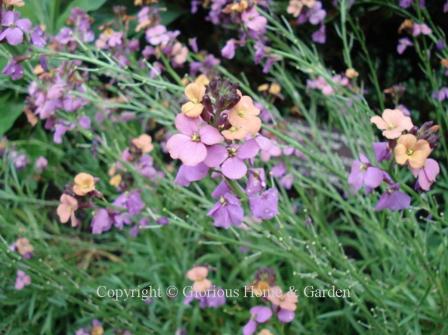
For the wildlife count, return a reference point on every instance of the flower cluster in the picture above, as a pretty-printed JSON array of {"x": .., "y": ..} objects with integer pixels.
[
  {"x": 309, "y": 11},
  {"x": 252, "y": 27},
  {"x": 410, "y": 146},
  {"x": 14, "y": 31},
  {"x": 283, "y": 304},
  {"x": 203, "y": 290},
  {"x": 138, "y": 156},
  {"x": 57, "y": 90},
  {"x": 219, "y": 131},
  {"x": 24, "y": 248}
]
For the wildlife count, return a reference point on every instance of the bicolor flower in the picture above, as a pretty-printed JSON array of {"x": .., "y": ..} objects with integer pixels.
[
  {"x": 393, "y": 123},
  {"x": 244, "y": 118},
  {"x": 411, "y": 150}
]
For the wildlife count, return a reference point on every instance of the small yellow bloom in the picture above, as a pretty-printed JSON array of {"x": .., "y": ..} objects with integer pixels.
[
  {"x": 351, "y": 73},
  {"x": 275, "y": 89},
  {"x": 263, "y": 87},
  {"x": 264, "y": 332},
  {"x": 194, "y": 92},
  {"x": 406, "y": 25},
  {"x": 202, "y": 80},
  {"x": 143, "y": 143},
  {"x": 97, "y": 330},
  {"x": 116, "y": 180},
  {"x": 244, "y": 118},
  {"x": 412, "y": 151},
  {"x": 84, "y": 183}
]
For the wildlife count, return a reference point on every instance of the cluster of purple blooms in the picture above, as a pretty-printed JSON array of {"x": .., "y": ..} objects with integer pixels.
[
  {"x": 252, "y": 27},
  {"x": 217, "y": 140},
  {"x": 310, "y": 11},
  {"x": 14, "y": 31},
  {"x": 23, "y": 247}
]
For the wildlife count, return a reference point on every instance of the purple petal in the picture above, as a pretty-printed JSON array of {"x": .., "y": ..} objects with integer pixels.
[
  {"x": 394, "y": 201},
  {"x": 187, "y": 126},
  {"x": 373, "y": 177},
  {"x": 210, "y": 135},
  {"x": 188, "y": 174},
  {"x": 250, "y": 328},
  {"x": 261, "y": 314},
  {"x": 234, "y": 168},
  {"x": 24, "y": 24},
  {"x": 14, "y": 36},
  {"x": 285, "y": 316},
  {"x": 216, "y": 154},
  {"x": 248, "y": 150}
]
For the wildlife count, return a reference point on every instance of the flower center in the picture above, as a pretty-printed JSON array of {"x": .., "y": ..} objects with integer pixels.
[
  {"x": 232, "y": 152},
  {"x": 363, "y": 167},
  {"x": 409, "y": 152},
  {"x": 222, "y": 201},
  {"x": 195, "y": 137}
]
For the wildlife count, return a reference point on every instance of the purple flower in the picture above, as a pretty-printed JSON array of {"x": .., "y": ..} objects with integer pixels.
[
  {"x": 441, "y": 94},
  {"x": 393, "y": 199},
  {"x": 188, "y": 174},
  {"x": 162, "y": 221},
  {"x": 420, "y": 29},
  {"x": 190, "y": 145},
  {"x": 227, "y": 211},
  {"x": 254, "y": 21},
  {"x": 101, "y": 221},
  {"x": 256, "y": 182},
  {"x": 131, "y": 202},
  {"x": 38, "y": 37},
  {"x": 403, "y": 43},
  {"x": 19, "y": 160},
  {"x": 84, "y": 122},
  {"x": 232, "y": 158},
  {"x": 364, "y": 174},
  {"x": 285, "y": 316},
  {"x": 265, "y": 205},
  {"x": 22, "y": 280},
  {"x": 15, "y": 28},
  {"x": 382, "y": 151},
  {"x": 405, "y": 3},
  {"x": 259, "y": 314},
  {"x": 41, "y": 163},
  {"x": 445, "y": 7},
  {"x": 13, "y": 69},
  {"x": 316, "y": 14},
  {"x": 59, "y": 131},
  {"x": 229, "y": 49},
  {"x": 213, "y": 297},
  {"x": 320, "y": 36},
  {"x": 427, "y": 174},
  {"x": 158, "y": 35}
]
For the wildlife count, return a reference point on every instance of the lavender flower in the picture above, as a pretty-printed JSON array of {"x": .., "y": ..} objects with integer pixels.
[
  {"x": 227, "y": 211},
  {"x": 364, "y": 174},
  {"x": 265, "y": 205},
  {"x": 403, "y": 44},
  {"x": 393, "y": 199},
  {"x": 13, "y": 69},
  {"x": 22, "y": 280},
  {"x": 15, "y": 28}
]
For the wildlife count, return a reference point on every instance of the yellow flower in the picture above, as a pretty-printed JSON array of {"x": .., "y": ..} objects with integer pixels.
[
  {"x": 264, "y": 332},
  {"x": 411, "y": 150},
  {"x": 202, "y": 80},
  {"x": 115, "y": 180},
  {"x": 194, "y": 92},
  {"x": 143, "y": 143},
  {"x": 84, "y": 183},
  {"x": 351, "y": 73},
  {"x": 244, "y": 119}
]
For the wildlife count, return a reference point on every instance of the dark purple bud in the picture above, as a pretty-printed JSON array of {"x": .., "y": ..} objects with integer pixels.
[{"x": 222, "y": 94}]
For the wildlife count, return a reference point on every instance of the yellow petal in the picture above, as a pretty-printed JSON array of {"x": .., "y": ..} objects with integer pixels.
[
  {"x": 400, "y": 154},
  {"x": 195, "y": 92},
  {"x": 191, "y": 109}
]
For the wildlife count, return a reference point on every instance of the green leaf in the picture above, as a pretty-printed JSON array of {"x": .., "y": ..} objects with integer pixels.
[
  {"x": 9, "y": 113},
  {"x": 87, "y": 5}
]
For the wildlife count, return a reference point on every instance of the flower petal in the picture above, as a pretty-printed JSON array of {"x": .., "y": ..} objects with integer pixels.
[{"x": 234, "y": 168}]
